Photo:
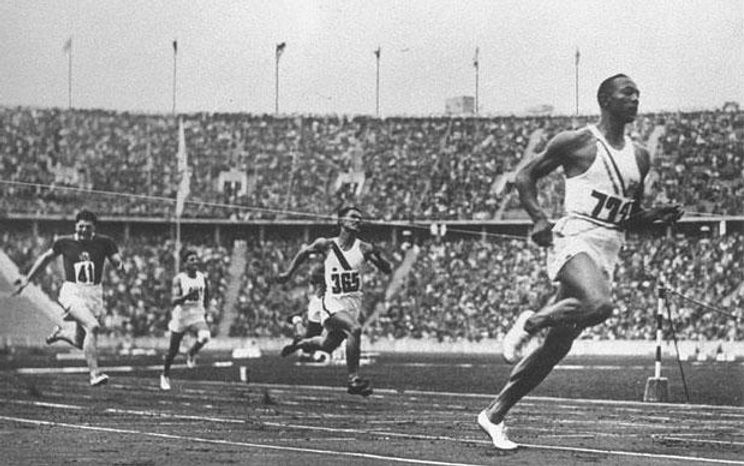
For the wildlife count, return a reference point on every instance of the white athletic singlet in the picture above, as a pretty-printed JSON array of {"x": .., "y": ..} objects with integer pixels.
[
  {"x": 189, "y": 284},
  {"x": 343, "y": 278},
  {"x": 596, "y": 202},
  {"x": 601, "y": 194}
]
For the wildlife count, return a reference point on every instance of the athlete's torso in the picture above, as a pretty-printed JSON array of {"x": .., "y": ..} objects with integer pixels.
[
  {"x": 604, "y": 193},
  {"x": 189, "y": 284},
  {"x": 343, "y": 270},
  {"x": 82, "y": 259}
]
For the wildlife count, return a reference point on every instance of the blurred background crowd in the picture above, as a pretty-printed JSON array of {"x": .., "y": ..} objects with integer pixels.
[{"x": 398, "y": 168}]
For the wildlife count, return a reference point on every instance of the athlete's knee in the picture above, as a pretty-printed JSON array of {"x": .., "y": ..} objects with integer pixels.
[
  {"x": 558, "y": 343},
  {"x": 203, "y": 337}
]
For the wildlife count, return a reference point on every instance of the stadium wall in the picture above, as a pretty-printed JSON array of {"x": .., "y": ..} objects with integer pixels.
[
  {"x": 224, "y": 230},
  {"x": 707, "y": 350}
]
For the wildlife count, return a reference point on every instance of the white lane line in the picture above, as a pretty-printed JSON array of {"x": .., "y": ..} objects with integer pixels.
[
  {"x": 144, "y": 413},
  {"x": 235, "y": 444},
  {"x": 547, "y": 399},
  {"x": 434, "y": 437},
  {"x": 694, "y": 459},
  {"x": 435, "y": 364},
  {"x": 83, "y": 369},
  {"x": 686, "y": 408},
  {"x": 578, "y": 367},
  {"x": 47, "y": 405},
  {"x": 527, "y": 401},
  {"x": 691, "y": 440},
  {"x": 568, "y": 367}
]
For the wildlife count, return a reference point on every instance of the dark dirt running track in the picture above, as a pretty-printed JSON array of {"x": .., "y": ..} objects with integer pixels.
[{"x": 588, "y": 412}]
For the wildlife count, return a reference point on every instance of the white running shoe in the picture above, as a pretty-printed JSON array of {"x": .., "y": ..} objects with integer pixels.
[
  {"x": 497, "y": 432},
  {"x": 100, "y": 379},
  {"x": 55, "y": 336},
  {"x": 516, "y": 339},
  {"x": 190, "y": 361},
  {"x": 165, "y": 382}
]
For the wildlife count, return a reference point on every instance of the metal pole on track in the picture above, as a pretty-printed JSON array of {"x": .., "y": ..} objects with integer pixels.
[{"x": 657, "y": 387}]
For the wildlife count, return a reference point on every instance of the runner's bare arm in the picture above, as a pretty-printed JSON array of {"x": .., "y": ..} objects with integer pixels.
[
  {"x": 555, "y": 155},
  {"x": 40, "y": 264},
  {"x": 319, "y": 245},
  {"x": 641, "y": 218},
  {"x": 374, "y": 255},
  {"x": 117, "y": 261}
]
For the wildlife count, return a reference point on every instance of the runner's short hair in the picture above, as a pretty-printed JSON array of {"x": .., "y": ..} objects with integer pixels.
[
  {"x": 186, "y": 253},
  {"x": 345, "y": 209},
  {"x": 87, "y": 216},
  {"x": 605, "y": 87}
]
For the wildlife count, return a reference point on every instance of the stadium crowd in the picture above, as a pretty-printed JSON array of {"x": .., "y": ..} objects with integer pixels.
[{"x": 399, "y": 168}]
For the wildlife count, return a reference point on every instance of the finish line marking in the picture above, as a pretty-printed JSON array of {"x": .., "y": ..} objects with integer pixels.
[{"x": 343, "y": 430}]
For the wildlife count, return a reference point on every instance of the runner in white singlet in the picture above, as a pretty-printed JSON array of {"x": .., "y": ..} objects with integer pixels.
[
  {"x": 190, "y": 295},
  {"x": 344, "y": 256},
  {"x": 604, "y": 173}
]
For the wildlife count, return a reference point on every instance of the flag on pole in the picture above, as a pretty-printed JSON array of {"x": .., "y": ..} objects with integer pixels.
[
  {"x": 475, "y": 58},
  {"x": 184, "y": 184},
  {"x": 175, "y": 46},
  {"x": 377, "y": 52},
  {"x": 68, "y": 45},
  {"x": 280, "y": 49},
  {"x": 578, "y": 55}
]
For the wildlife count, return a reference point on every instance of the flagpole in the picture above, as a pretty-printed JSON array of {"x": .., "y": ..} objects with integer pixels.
[
  {"x": 276, "y": 78},
  {"x": 377, "y": 84},
  {"x": 176, "y": 255},
  {"x": 69, "y": 75},
  {"x": 577, "y": 80},
  {"x": 476, "y": 63},
  {"x": 175, "y": 54},
  {"x": 276, "y": 85}
]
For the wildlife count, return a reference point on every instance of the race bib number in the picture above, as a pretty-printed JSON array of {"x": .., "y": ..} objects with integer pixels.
[
  {"x": 84, "y": 272},
  {"x": 194, "y": 294},
  {"x": 610, "y": 208},
  {"x": 345, "y": 282}
]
